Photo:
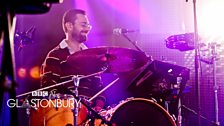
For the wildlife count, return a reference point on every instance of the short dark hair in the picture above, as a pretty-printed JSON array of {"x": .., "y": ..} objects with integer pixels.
[{"x": 70, "y": 16}]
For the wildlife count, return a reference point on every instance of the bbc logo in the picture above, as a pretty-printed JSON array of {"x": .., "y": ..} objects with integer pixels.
[{"x": 40, "y": 93}]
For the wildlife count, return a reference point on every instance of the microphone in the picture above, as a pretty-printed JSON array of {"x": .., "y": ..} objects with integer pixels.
[{"x": 119, "y": 31}]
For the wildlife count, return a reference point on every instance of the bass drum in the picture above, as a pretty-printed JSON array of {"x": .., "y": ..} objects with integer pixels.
[
  {"x": 48, "y": 114},
  {"x": 140, "y": 112}
]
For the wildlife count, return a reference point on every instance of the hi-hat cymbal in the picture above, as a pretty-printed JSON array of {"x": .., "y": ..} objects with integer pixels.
[{"x": 111, "y": 59}]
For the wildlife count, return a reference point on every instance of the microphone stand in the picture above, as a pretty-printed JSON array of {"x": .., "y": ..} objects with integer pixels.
[
  {"x": 134, "y": 43},
  {"x": 214, "y": 57},
  {"x": 197, "y": 66},
  {"x": 197, "y": 72},
  {"x": 7, "y": 73}
]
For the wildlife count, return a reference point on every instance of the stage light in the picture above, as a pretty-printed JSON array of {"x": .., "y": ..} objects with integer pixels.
[
  {"x": 22, "y": 72},
  {"x": 34, "y": 72},
  {"x": 210, "y": 20}
]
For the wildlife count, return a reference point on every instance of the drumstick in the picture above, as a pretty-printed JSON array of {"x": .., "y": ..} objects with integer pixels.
[
  {"x": 58, "y": 84},
  {"x": 103, "y": 89},
  {"x": 55, "y": 85},
  {"x": 90, "y": 75}
]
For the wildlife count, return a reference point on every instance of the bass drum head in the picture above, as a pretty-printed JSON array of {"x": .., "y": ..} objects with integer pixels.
[{"x": 141, "y": 112}]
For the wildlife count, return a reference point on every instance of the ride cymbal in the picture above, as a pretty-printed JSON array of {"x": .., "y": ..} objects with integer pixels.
[{"x": 110, "y": 59}]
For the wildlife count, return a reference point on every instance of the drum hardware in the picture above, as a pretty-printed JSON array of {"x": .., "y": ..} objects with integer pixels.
[
  {"x": 153, "y": 99},
  {"x": 103, "y": 89},
  {"x": 110, "y": 59},
  {"x": 196, "y": 62},
  {"x": 27, "y": 106},
  {"x": 76, "y": 80},
  {"x": 121, "y": 31},
  {"x": 93, "y": 112},
  {"x": 162, "y": 81},
  {"x": 104, "y": 59},
  {"x": 85, "y": 103},
  {"x": 58, "y": 84},
  {"x": 182, "y": 42},
  {"x": 174, "y": 117},
  {"x": 139, "y": 111},
  {"x": 179, "y": 117},
  {"x": 45, "y": 88},
  {"x": 159, "y": 79},
  {"x": 196, "y": 114},
  {"x": 211, "y": 60}
]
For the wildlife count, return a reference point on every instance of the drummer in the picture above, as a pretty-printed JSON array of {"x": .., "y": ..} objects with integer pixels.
[{"x": 76, "y": 27}]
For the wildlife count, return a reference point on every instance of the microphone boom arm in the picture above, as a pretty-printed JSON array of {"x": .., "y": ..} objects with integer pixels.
[{"x": 133, "y": 43}]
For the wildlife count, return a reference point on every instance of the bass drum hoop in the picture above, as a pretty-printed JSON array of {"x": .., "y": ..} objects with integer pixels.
[{"x": 122, "y": 115}]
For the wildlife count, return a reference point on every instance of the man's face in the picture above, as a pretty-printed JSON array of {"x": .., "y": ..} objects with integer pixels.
[{"x": 81, "y": 28}]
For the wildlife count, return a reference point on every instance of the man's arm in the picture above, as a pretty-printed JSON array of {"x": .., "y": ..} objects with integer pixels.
[{"x": 50, "y": 70}]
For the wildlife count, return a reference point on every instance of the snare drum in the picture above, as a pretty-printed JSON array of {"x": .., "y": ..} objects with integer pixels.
[
  {"x": 56, "y": 112},
  {"x": 139, "y": 112}
]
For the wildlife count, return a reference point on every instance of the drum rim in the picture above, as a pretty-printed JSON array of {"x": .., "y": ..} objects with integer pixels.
[{"x": 170, "y": 118}]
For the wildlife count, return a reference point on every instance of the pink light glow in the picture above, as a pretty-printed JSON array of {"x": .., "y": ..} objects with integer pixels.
[
  {"x": 129, "y": 8},
  {"x": 145, "y": 18},
  {"x": 210, "y": 20},
  {"x": 22, "y": 72},
  {"x": 81, "y": 4}
]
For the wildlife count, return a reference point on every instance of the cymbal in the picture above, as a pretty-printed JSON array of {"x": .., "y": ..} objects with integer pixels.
[{"x": 110, "y": 59}]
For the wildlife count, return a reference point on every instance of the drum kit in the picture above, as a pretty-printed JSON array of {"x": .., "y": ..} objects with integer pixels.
[{"x": 92, "y": 62}]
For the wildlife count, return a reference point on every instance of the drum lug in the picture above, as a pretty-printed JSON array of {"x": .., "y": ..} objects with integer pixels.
[
  {"x": 128, "y": 99},
  {"x": 154, "y": 100},
  {"x": 131, "y": 98},
  {"x": 174, "y": 117}
]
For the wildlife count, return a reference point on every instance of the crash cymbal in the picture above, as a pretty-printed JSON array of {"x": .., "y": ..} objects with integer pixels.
[{"x": 111, "y": 59}]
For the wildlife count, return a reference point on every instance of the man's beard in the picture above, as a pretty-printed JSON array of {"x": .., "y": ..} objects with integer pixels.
[{"x": 79, "y": 37}]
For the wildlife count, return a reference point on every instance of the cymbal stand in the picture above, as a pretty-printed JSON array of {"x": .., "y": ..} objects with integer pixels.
[
  {"x": 77, "y": 105},
  {"x": 196, "y": 63},
  {"x": 214, "y": 57},
  {"x": 179, "y": 116},
  {"x": 89, "y": 108},
  {"x": 212, "y": 47}
]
